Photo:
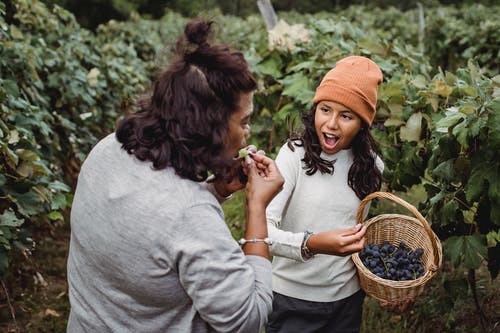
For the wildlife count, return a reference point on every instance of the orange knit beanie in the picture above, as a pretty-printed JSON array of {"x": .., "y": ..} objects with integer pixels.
[{"x": 353, "y": 82}]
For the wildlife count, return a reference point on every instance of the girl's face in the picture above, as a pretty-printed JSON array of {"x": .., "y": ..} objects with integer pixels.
[
  {"x": 336, "y": 126},
  {"x": 239, "y": 125}
]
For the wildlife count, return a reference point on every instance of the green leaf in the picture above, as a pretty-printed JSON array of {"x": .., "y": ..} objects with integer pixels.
[
  {"x": 420, "y": 82},
  {"x": 477, "y": 126},
  {"x": 445, "y": 170},
  {"x": 437, "y": 197},
  {"x": 371, "y": 45},
  {"x": 470, "y": 250},
  {"x": 494, "y": 124},
  {"x": 449, "y": 213},
  {"x": 391, "y": 89},
  {"x": 299, "y": 87},
  {"x": 54, "y": 216},
  {"x": 25, "y": 169},
  {"x": 14, "y": 137},
  {"x": 455, "y": 249},
  {"x": 467, "y": 108},
  {"x": 27, "y": 155},
  {"x": 396, "y": 109},
  {"x": 9, "y": 219},
  {"x": 461, "y": 132},
  {"x": 492, "y": 238},
  {"x": 476, "y": 182},
  {"x": 481, "y": 174},
  {"x": 393, "y": 122},
  {"x": 271, "y": 66},
  {"x": 11, "y": 88},
  {"x": 59, "y": 186},
  {"x": 413, "y": 128},
  {"x": 58, "y": 202},
  {"x": 441, "y": 88},
  {"x": 451, "y": 118},
  {"x": 28, "y": 203},
  {"x": 11, "y": 157},
  {"x": 15, "y": 32},
  {"x": 475, "y": 251}
]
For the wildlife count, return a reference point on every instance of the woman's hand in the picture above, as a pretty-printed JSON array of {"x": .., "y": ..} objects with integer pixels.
[
  {"x": 264, "y": 179},
  {"x": 238, "y": 179},
  {"x": 340, "y": 242},
  {"x": 264, "y": 182}
]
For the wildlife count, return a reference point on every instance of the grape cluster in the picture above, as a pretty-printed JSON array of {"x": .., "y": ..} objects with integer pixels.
[{"x": 399, "y": 263}]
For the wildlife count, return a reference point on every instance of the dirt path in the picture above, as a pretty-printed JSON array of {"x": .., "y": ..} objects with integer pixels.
[{"x": 37, "y": 286}]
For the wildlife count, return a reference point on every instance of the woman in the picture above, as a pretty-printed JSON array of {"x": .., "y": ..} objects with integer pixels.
[{"x": 150, "y": 251}]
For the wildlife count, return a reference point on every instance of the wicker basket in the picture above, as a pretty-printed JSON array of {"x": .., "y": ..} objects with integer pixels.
[{"x": 396, "y": 228}]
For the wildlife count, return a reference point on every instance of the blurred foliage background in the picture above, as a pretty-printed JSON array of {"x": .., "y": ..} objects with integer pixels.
[
  {"x": 67, "y": 76},
  {"x": 91, "y": 13}
]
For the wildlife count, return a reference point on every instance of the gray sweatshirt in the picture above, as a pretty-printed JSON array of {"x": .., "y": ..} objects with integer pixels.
[{"x": 150, "y": 252}]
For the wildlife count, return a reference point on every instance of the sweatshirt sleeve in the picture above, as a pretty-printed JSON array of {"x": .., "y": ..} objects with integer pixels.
[
  {"x": 231, "y": 292},
  {"x": 285, "y": 243}
]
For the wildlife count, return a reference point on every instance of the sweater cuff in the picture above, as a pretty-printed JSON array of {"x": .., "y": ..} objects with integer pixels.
[{"x": 285, "y": 243}]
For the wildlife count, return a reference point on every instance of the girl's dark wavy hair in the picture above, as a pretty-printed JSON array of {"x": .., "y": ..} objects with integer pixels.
[
  {"x": 364, "y": 177},
  {"x": 184, "y": 122}
]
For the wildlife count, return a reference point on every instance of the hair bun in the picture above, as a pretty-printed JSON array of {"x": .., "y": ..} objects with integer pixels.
[{"x": 198, "y": 31}]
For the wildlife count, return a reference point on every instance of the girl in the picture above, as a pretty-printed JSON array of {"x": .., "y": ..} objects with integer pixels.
[{"x": 328, "y": 169}]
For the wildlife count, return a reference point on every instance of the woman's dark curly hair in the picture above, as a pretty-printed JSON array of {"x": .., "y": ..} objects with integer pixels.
[
  {"x": 184, "y": 122},
  {"x": 364, "y": 177}
]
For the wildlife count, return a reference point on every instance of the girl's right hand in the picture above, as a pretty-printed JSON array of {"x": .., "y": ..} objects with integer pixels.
[
  {"x": 340, "y": 242},
  {"x": 264, "y": 179}
]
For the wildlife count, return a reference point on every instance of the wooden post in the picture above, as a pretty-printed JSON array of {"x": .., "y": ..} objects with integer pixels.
[
  {"x": 267, "y": 11},
  {"x": 421, "y": 28}
]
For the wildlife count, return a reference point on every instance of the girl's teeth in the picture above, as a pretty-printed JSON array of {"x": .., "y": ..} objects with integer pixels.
[{"x": 330, "y": 139}]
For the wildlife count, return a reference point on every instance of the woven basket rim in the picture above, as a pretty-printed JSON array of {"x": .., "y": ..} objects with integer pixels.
[
  {"x": 434, "y": 253},
  {"x": 432, "y": 237}
]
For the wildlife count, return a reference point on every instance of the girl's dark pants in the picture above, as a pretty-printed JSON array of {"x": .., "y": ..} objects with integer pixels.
[{"x": 293, "y": 315}]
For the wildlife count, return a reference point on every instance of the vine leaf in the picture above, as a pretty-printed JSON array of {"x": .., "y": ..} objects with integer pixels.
[
  {"x": 494, "y": 124},
  {"x": 413, "y": 128},
  {"x": 472, "y": 249}
]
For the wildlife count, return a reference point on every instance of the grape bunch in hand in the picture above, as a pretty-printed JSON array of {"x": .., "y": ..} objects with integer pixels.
[{"x": 387, "y": 261}]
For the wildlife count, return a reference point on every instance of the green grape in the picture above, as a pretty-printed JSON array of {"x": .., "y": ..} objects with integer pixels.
[{"x": 243, "y": 153}]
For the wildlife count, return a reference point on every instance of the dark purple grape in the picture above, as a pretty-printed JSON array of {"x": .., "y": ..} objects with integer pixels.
[{"x": 388, "y": 261}]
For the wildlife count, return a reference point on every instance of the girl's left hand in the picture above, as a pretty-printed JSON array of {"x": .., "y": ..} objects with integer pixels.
[{"x": 340, "y": 242}]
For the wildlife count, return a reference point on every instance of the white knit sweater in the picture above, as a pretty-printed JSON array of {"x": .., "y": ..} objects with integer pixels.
[{"x": 316, "y": 203}]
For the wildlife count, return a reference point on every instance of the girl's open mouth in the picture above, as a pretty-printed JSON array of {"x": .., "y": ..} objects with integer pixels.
[{"x": 330, "y": 140}]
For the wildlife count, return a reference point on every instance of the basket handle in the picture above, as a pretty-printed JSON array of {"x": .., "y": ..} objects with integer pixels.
[{"x": 408, "y": 206}]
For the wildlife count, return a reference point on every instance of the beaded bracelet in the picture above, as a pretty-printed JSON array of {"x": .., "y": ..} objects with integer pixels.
[
  {"x": 304, "y": 250},
  {"x": 266, "y": 240}
]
